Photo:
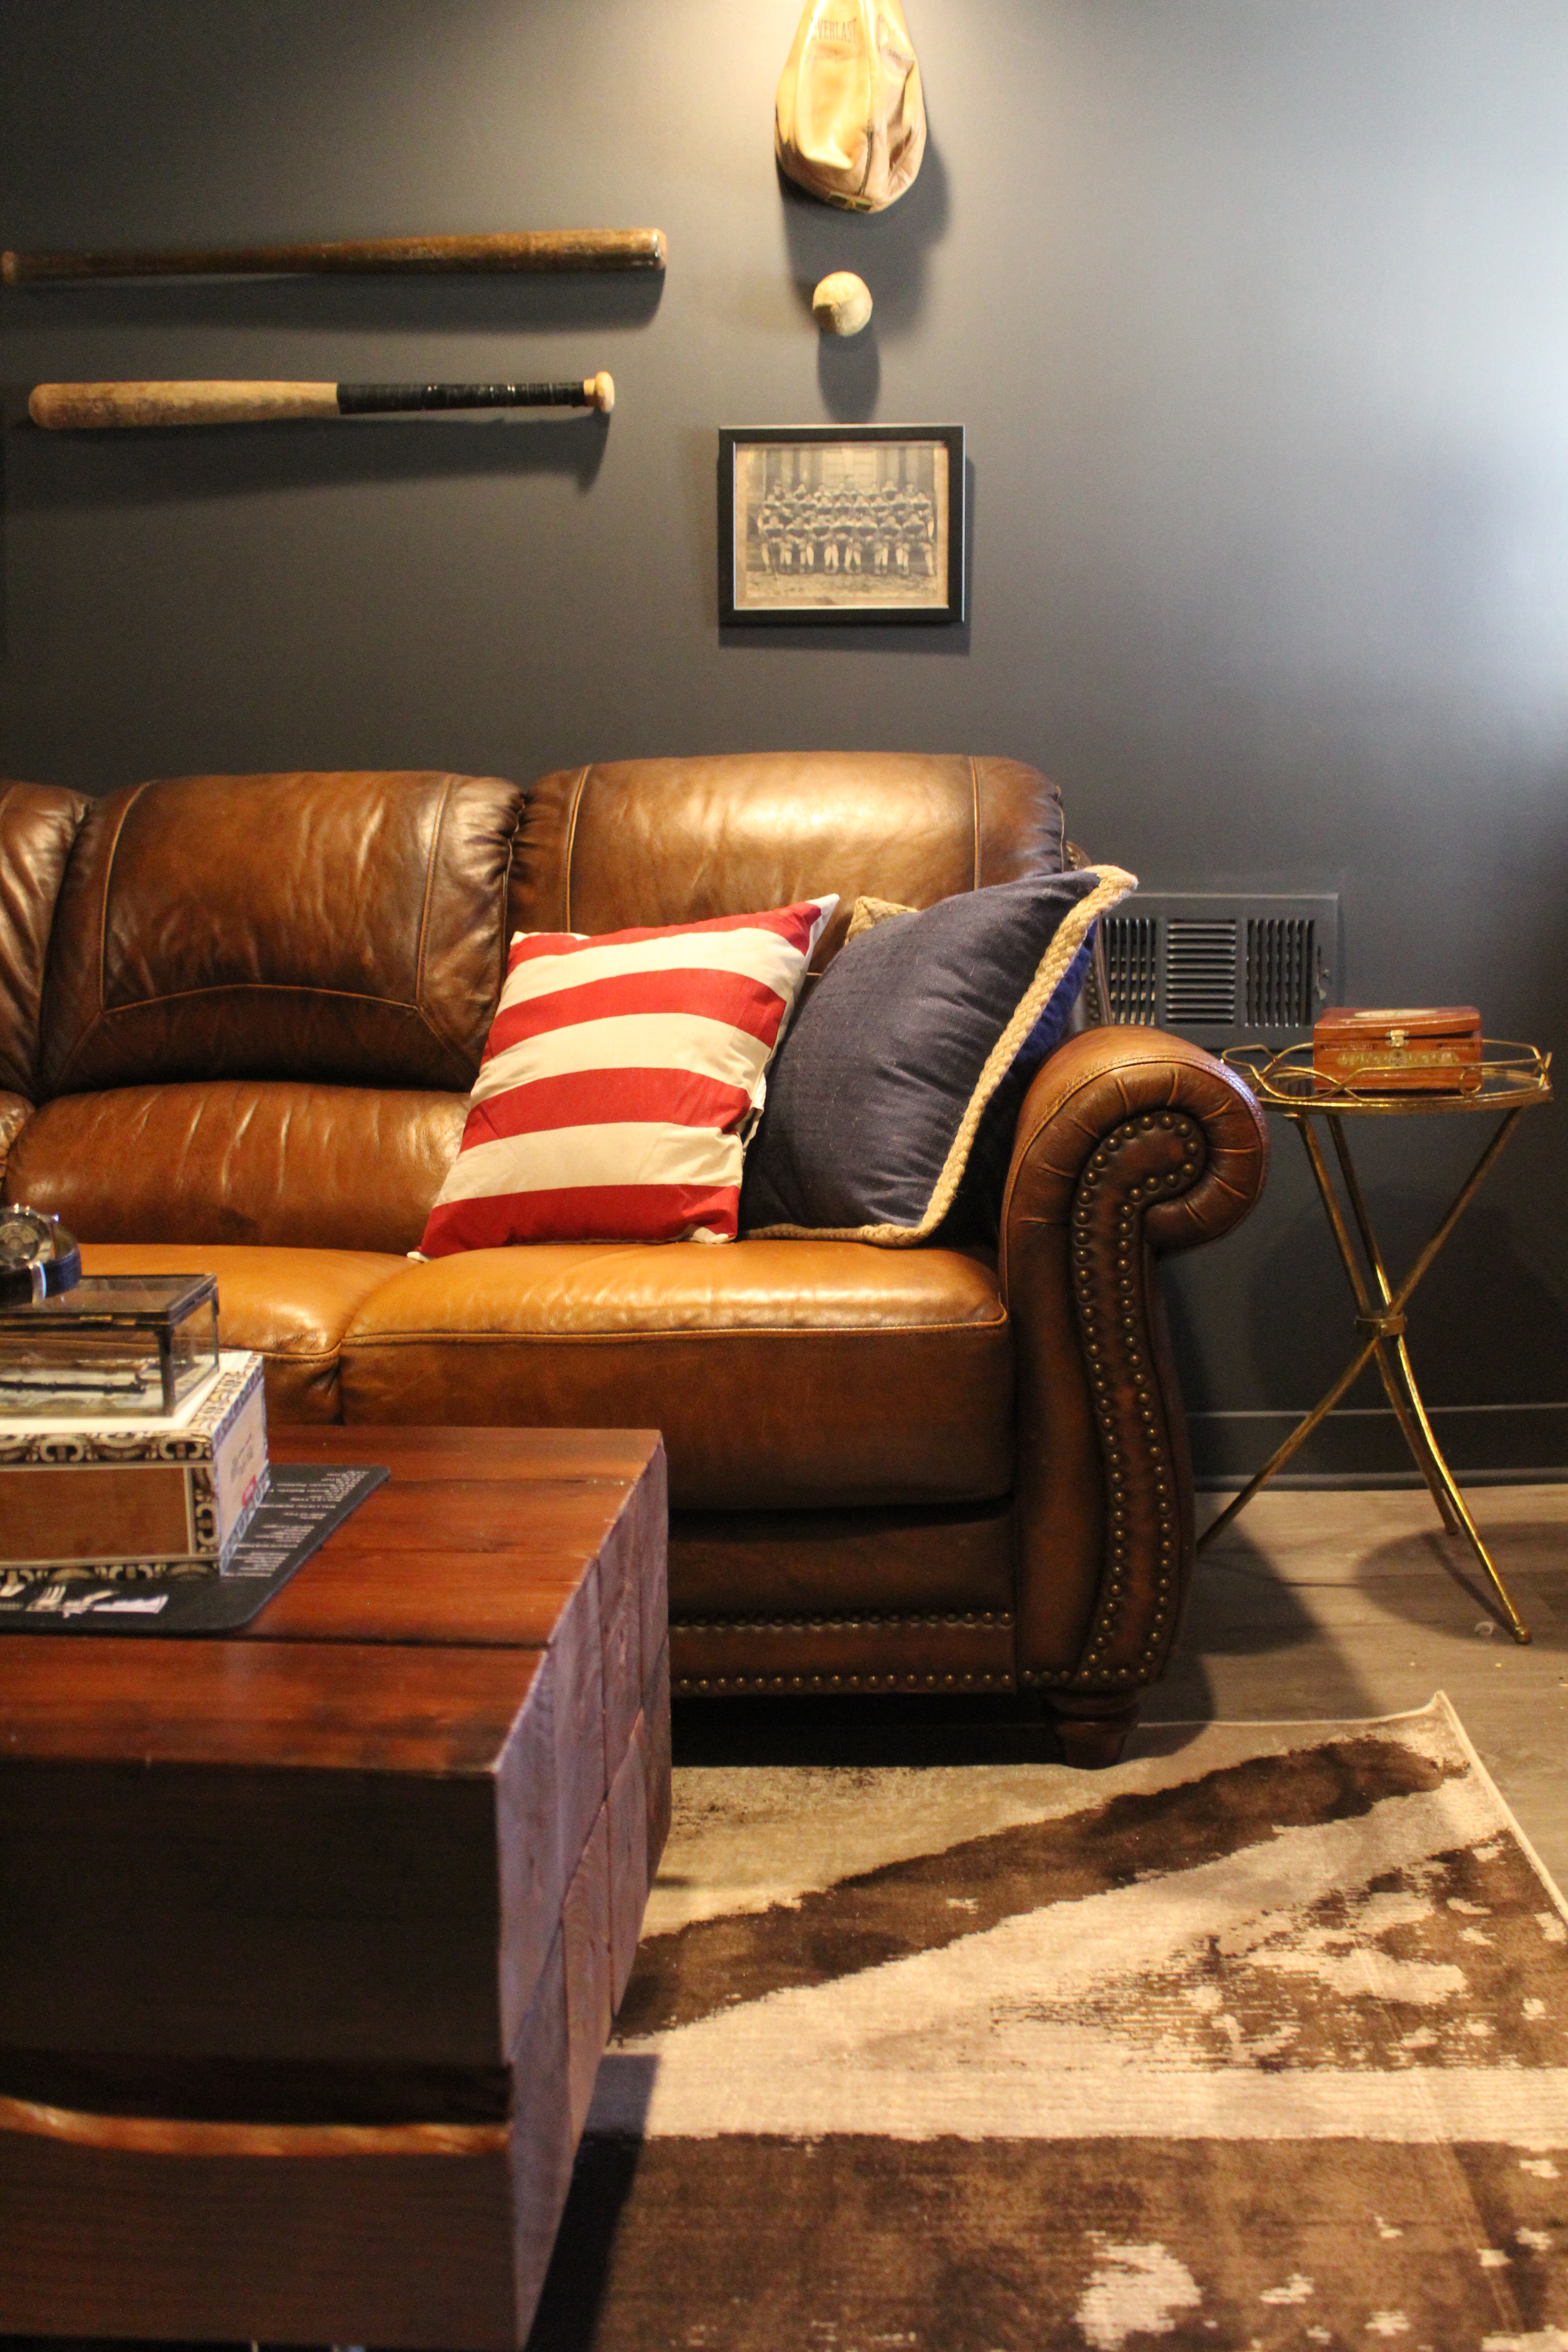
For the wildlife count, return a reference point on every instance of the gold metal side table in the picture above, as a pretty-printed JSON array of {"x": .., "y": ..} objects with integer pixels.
[{"x": 1511, "y": 1079}]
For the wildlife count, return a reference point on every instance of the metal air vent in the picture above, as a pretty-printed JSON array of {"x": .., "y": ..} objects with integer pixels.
[
  {"x": 1200, "y": 972},
  {"x": 1223, "y": 969},
  {"x": 1131, "y": 944}
]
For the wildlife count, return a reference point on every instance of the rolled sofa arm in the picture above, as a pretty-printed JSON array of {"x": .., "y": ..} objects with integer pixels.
[{"x": 1130, "y": 1142}]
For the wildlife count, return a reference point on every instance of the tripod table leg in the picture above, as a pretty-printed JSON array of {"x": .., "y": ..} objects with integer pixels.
[
  {"x": 1380, "y": 1318},
  {"x": 1461, "y": 1522},
  {"x": 1391, "y": 1324}
]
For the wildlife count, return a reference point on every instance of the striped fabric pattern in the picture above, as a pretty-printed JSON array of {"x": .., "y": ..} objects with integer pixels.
[{"x": 623, "y": 1078}]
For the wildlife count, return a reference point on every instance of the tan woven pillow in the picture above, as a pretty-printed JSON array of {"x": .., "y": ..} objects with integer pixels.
[
  {"x": 850, "y": 124},
  {"x": 869, "y": 912}
]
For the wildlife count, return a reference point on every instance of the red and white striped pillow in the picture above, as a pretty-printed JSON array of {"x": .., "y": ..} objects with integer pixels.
[{"x": 622, "y": 1081}]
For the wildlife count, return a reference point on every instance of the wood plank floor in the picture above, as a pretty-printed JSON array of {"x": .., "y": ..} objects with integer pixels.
[{"x": 1318, "y": 1602}]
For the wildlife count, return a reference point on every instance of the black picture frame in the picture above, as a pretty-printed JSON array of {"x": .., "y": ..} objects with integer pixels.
[{"x": 841, "y": 526}]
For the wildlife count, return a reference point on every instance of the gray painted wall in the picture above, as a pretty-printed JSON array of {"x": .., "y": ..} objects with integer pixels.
[{"x": 1255, "y": 312}]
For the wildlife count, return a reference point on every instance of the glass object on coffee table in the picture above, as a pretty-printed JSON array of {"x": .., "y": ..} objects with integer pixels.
[{"x": 116, "y": 1345}]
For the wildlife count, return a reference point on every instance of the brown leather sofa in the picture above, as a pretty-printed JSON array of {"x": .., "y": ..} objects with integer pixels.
[{"x": 238, "y": 1016}]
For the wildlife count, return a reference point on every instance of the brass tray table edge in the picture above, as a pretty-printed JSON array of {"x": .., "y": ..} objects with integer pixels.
[{"x": 1512, "y": 1078}]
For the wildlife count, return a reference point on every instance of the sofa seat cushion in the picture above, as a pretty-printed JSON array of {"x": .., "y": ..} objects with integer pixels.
[
  {"x": 292, "y": 1306},
  {"x": 783, "y": 1375}
]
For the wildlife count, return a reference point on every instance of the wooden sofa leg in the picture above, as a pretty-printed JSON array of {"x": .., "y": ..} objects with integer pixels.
[{"x": 1091, "y": 1732}]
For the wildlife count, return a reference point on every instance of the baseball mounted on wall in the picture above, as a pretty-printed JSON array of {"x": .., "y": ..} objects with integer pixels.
[{"x": 842, "y": 303}]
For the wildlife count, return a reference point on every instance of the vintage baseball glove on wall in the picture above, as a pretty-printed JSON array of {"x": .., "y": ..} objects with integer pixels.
[{"x": 850, "y": 123}]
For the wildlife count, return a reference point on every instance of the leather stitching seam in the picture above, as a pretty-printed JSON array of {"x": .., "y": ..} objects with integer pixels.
[
  {"x": 578, "y": 789},
  {"x": 260, "y": 987},
  {"x": 964, "y": 1619},
  {"x": 427, "y": 1337},
  {"x": 442, "y": 1036},
  {"x": 974, "y": 802},
  {"x": 908, "y": 1678},
  {"x": 100, "y": 1012}
]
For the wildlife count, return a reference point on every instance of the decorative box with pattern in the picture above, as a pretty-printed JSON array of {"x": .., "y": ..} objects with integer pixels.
[{"x": 167, "y": 1495}]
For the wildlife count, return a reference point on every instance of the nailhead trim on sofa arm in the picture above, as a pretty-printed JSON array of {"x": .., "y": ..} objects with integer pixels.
[
  {"x": 716, "y": 1686},
  {"x": 1107, "y": 1248}
]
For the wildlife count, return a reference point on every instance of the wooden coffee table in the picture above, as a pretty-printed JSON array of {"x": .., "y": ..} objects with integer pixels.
[{"x": 311, "y": 1937}]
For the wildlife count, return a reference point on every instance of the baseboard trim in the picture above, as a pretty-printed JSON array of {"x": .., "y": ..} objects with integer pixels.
[
  {"x": 1230, "y": 1482},
  {"x": 1485, "y": 1444}
]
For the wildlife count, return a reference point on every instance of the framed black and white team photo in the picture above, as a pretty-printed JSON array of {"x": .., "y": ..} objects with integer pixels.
[{"x": 841, "y": 524}]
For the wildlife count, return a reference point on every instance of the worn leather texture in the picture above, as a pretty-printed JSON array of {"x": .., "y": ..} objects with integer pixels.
[
  {"x": 14, "y": 1112},
  {"x": 292, "y": 1306},
  {"x": 739, "y": 1568},
  {"x": 38, "y": 824},
  {"x": 784, "y": 1375},
  {"x": 930, "y": 1654},
  {"x": 1129, "y": 1143},
  {"x": 332, "y": 926},
  {"x": 849, "y": 120},
  {"x": 672, "y": 841},
  {"x": 260, "y": 1163}
]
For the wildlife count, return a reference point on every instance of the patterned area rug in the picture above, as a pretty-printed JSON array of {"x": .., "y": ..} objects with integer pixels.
[{"x": 1259, "y": 2041}]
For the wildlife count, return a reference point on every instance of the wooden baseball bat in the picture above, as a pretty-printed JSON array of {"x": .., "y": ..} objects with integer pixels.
[
  {"x": 73, "y": 406},
  {"x": 524, "y": 249}
]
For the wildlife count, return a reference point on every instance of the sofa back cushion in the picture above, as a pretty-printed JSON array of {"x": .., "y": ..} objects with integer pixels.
[
  {"x": 676, "y": 840},
  {"x": 343, "y": 929},
  {"x": 38, "y": 824},
  {"x": 261, "y": 1161}
]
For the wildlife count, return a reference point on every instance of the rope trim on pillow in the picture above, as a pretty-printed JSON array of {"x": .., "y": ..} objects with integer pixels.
[
  {"x": 1114, "y": 885},
  {"x": 869, "y": 912}
]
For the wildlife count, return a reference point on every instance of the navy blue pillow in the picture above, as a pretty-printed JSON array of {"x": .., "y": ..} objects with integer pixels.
[{"x": 877, "y": 1098}]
